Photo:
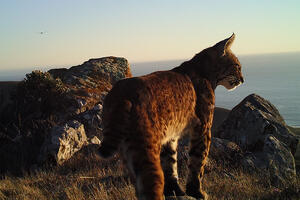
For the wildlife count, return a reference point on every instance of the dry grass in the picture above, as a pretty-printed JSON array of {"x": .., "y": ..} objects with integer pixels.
[
  {"x": 89, "y": 177},
  {"x": 81, "y": 178},
  {"x": 239, "y": 185}
]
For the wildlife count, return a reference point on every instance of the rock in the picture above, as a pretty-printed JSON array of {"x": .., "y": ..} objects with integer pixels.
[
  {"x": 92, "y": 120},
  {"x": 110, "y": 68},
  {"x": 220, "y": 114},
  {"x": 251, "y": 121},
  {"x": 276, "y": 161},
  {"x": 91, "y": 81},
  {"x": 63, "y": 142},
  {"x": 94, "y": 140},
  {"x": 98, "y": 108},
  {"x": 256, "y": 126}
]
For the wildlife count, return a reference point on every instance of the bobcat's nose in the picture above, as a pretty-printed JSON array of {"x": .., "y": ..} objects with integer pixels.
[{"x": 242, "y": 79}]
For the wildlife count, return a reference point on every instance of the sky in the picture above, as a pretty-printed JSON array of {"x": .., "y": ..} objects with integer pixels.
[{"x": 74, "y": 31}]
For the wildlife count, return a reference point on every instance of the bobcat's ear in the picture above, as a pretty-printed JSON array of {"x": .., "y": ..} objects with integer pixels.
[{"x": 224, "y": 45}]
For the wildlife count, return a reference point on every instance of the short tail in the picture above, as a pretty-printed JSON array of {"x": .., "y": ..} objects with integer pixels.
[
  {"x": 115, "y": 129},
  {"x": 110, "y": 144}
]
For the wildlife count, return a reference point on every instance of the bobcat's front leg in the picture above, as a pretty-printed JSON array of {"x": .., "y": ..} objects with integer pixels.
[
  {"x": 199, "y": 148},
  {"x": 200, "y": 137}
]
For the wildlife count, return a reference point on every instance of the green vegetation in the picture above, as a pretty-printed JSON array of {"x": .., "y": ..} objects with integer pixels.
[
  {"x": 40, "y": 91},
  {"x": 42, "y": 81}
]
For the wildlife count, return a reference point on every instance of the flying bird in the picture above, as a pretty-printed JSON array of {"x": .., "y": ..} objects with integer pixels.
[{"x": 42, "y": 32}]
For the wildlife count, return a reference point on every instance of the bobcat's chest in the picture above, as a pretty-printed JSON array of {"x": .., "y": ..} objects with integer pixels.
[{"x": 175, "y": 131}]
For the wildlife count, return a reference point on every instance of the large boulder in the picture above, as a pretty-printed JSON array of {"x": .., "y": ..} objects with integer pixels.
[
  {"x": 251, "y": 121},
  {"x": 259, "y": 129}
]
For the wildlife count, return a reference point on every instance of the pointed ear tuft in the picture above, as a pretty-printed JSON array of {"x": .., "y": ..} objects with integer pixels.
[
  {"x": 225, "y": 45},
  {"x": 229, "y": 41}
]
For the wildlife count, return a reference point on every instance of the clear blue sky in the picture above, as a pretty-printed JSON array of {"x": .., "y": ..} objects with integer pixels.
[{"x": 140, "y": 30}]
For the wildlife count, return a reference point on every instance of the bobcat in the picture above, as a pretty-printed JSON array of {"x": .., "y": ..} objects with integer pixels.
[{"x": 144, "y": 117}]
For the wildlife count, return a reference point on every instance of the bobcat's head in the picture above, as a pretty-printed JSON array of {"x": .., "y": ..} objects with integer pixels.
[
  {"x": 218, "y": 64},
  {"x": 228, "y": 66}
]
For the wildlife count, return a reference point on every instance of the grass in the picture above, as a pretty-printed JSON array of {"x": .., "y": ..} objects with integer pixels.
[
  {"x": 81, "y": 178},
  {"x": 90, "y": 177}
]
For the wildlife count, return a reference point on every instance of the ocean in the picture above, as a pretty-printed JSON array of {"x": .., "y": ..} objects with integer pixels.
[{"x": 275, "y": 77}]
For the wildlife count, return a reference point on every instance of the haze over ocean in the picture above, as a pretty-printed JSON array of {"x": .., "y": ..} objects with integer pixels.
[{"x": 272, "y": 76}]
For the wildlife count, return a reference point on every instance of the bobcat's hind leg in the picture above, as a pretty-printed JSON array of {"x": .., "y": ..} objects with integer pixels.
[
  {"x": 199, "y": 148},
  {"x": 143, "y": 162},
  {"x": 168, "y": 158}
]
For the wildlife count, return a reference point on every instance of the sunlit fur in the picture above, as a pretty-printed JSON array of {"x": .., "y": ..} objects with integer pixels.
[{"x": 143, "y": 118}]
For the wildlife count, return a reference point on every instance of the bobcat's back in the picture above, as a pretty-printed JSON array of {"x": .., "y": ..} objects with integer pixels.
[{"x": 161, "y": 103}]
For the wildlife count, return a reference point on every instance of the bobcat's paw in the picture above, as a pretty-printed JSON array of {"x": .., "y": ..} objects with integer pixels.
[
  {"x": 196, "y": 192},
  {"x": 172, "y": 188},
  {"x": 105, "y": 152}
]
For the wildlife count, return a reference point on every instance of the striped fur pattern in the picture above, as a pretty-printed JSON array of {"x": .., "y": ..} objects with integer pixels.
[{"x": 145, "y": 116}]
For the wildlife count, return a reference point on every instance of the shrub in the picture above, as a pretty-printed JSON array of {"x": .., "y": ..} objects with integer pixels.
[{"x": 39, "y": 91}]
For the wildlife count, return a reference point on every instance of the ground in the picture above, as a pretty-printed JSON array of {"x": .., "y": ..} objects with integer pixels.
[{"x": 90, "y": 177}]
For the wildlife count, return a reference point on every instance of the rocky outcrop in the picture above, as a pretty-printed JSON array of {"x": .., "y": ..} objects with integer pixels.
[
  {"x": 44, "y": 104},
  {"x": 90, "y": 72},
  {"x": 256, "y": 126},
  {"x": 89, "y": 83}
]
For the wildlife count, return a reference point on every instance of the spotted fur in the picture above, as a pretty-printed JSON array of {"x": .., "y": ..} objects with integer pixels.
[{"x": 144, "y": 117}]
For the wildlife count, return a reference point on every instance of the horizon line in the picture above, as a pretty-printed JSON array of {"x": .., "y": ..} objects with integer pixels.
[{"x": 137, "y": 62}]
